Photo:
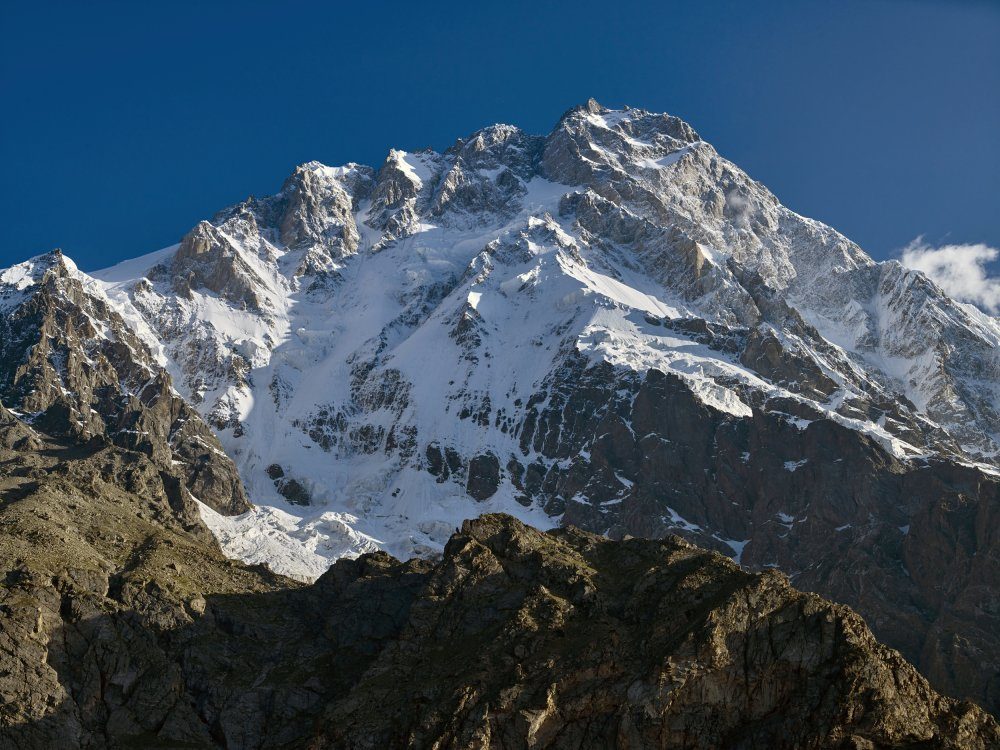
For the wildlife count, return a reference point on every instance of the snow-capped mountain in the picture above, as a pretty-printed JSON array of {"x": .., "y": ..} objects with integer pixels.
[
  {"x": 377, "y": 345},
  {"x": 610, "y": 326}
]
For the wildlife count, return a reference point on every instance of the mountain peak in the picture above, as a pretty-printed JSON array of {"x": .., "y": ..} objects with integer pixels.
[
  {"x": 39, "y": 264},
  {"x": 591, "y": 134},
  {"x": 322, "y": 170},
  {"x": 591, "y": 106},
  {"x": 20, "y": 277}
]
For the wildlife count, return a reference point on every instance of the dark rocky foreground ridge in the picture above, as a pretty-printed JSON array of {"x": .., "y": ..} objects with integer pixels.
[{"x": 122, "y": 625}]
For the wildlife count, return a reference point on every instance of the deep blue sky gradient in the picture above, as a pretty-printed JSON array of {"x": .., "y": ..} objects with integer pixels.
[{"x": 123, "y": 124}]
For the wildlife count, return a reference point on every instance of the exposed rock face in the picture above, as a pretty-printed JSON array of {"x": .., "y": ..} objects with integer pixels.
[
  {"x": 484, "y": 476},
  {"x": 523, "y": 639},
  {"x": 71, "y": 363},
  {"x": 103, "y": 556},
  {"x": 15, "y": 434},
  {"x": 642, "y": 456},
  {"x": 320, "y": 211},
  {"x": 123, "y": 626},
  {"x": 207, "y": 259}
]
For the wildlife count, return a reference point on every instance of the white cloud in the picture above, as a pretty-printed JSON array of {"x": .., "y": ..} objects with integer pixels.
[
  {"x": 739, "y": 206},
  {"x": 958, "y": 269}
]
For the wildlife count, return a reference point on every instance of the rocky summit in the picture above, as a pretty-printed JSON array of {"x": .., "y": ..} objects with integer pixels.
[{"x": 611, "y": 328}]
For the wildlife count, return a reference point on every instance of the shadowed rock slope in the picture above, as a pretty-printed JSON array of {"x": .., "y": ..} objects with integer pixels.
[
  {"x": 122, "y": 625},
  {"x": 102, "y": 555}
]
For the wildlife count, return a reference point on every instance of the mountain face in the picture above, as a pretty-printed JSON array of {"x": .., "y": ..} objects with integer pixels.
[
  {"x": 124, "y": 626},
  {"x": 72, "y": 363},
  {"x": 610, "y": 326}
]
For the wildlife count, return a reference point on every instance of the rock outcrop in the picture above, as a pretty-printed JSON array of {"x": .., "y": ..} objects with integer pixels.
[
  {"x": 523, "y": 639},
  {"x": 72, "y": 366},
  {"x": 103, "y": 557},
  {"x": 642, "y": 456}
]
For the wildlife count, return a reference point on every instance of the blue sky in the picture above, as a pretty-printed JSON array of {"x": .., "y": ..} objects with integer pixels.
[{"x": 126, "y": 123}]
